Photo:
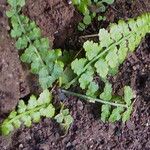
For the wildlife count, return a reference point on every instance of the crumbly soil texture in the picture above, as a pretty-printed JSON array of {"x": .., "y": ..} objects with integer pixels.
[{"x": 58, "y": 21}]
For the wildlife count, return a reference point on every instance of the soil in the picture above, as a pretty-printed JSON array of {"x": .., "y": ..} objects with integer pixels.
[
  {"x": 12, "y": 79},
  {"x": 56, "y": 17}
]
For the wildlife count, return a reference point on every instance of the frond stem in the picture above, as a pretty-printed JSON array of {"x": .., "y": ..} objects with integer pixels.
[{"x": 94, "y": 99}]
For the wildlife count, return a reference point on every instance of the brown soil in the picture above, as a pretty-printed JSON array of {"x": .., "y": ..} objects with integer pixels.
[
  {"x": 55, "y": 17},
  {"x": 87, "y": 131},
  {"x": 12, "y": 79}
]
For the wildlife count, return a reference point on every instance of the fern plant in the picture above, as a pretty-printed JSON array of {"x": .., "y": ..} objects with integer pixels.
[
  {"x": 36, "y": 50},
  {"x": 104, "y": 58},
  {"x": 90, "y": 8},
  {"x": 64, "y": 118},
  {"x": 28, "y": 113},
  {"x": 44, "y": 62}
]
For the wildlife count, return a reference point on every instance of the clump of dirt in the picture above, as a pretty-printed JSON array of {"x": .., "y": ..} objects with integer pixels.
[
  {"x": 55, "y": 18},
  {"x": 12, "y": 79}
]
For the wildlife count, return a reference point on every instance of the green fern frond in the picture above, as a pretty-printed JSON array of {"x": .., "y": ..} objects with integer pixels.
[
  {"x": 64, "y": 118},
  {"x": 115, "y": 44},
  {"x": 28, "y": 113},
  {"x": 44, "y": 62},
  {"x": 104, "y": 58},
  {"x": 90, "y": 9}
]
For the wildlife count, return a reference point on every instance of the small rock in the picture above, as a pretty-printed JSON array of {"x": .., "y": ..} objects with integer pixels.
[
  {"x": 80, "y": 105},
  {"x": 130, "y": 125},
  {"x": 20, "y": 145},
  {"x": 69, "y": 145}
]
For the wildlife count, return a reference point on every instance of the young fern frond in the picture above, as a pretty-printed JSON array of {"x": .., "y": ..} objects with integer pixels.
[
  {"x": 64, "y": 118},
  {"x": 90, "y": 9},
  {"x": 83, "y": 5},
  {"x": 44, "y": 62},
  {"x": 28, "y": 113},
  {"x": 104, "y": 58},
  {"x": 114, "y": 45}
]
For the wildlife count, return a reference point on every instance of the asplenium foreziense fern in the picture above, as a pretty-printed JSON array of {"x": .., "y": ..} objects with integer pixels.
[
  {"x": 28, "y": 113},
  {"x": 35, "y": 49},
  {"x": 44, "y": 62},
  {"x": 33, "y": 111},
  {"x": 90, "y": 9},
  {"x": 103, "y": 59},
  {"x": 64, "y": 118}
]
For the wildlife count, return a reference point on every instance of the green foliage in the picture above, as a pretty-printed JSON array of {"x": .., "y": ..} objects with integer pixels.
[
  {"x": 85, "y": 6},
  {"x": 107, "y": 93},
  {"x": 89, "y": 8},
  {"x": 104, "y": 58},
  {"x": 44, "y": 62},
  {"x": 64, "y": 118},
  {"x": 128, "y": 95},
  {"x": 101, "y": 59},
  {"x": 35, "y": 49},
  {"x": 28, "y": 113},
  {"x": 120, "y": 112}
]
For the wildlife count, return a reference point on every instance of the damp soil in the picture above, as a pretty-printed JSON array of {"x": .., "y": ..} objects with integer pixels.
[
  {"x": 13, "y": 84},
  {"x": 58, "y": 21}
]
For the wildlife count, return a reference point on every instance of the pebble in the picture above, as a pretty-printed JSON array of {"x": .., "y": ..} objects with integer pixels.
[
  {"x": 69, "y": 2},
  {"x": 69, "y": 145},
  {"x": 80, "y": 105},
  {"x": 130, "y": 125},
  {"x": 20, "y": 145}
]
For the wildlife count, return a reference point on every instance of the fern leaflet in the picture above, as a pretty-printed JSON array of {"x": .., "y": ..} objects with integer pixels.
[{"x": 44, "y": 62}]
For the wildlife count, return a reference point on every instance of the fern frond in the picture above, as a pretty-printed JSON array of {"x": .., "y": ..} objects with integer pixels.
[
  {"x": 115, "y": 43},
  {"x": 28, "y": 113},
  {"x": 44, "y": 62},
  {"x": 64, "y": 118},
  {"x": 86, "y": 8},
  {"x": 105, "y": 57}
]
